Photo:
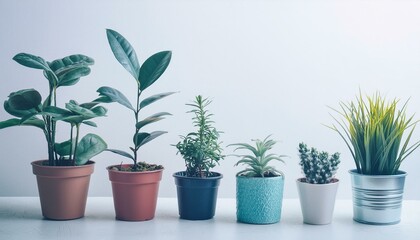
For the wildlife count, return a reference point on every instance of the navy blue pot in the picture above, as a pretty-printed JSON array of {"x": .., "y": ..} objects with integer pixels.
[{"x": 197, "y": 197}]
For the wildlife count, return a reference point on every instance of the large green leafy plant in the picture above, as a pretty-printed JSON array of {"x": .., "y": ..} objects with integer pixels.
[
  {"x": 29, "y": 109},
  {"x": 201, "y": 149},
  {"x": 145, "y": 75},
  {"x": 257, "y": 162},
  {"x": 373, "y": 130}
]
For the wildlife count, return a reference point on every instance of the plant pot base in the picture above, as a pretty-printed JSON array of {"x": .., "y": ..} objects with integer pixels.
[
  {"x": 197, "y": 197},
  {"x": 134, "y": 193},
  {"x": 377, "y": 199},
  {"x": 62, "y": 190},
  {"x": 317, "y": 201},
  {"x": 259, "y": 200}
]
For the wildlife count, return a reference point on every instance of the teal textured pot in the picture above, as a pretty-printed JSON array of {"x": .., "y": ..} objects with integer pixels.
[{"x": 259, "y": 200}]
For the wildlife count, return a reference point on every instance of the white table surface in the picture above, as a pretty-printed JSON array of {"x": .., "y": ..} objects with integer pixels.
[{"x": 20, "y": 218}]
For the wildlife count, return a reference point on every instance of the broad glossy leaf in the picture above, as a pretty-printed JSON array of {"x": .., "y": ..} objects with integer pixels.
[
  {"x": 139, "y": 137},
  {"x": 123, "y": 52},
  {"x": 17, "y": 113},
  {"x": 66, "y": 115},
  {"x": 99, "y": 111},
  {"x": 10, "y": 123},
  {"x": 28, "y": 117},
  {"x": 90, "y": 146},
  {"x": 17, "y": 122},
  {"x": 72, "y": 76},
  {"x": 80, "y": 110},
  {"x": 122, "y": 153},
  {"x": 64, "y": 148},
  {"x": 153, "y": 68},
  {"x": 154, "y": 118},
  {"x": 24, "y": 99},
  {"x": 115, "y": 96},
  {"x": 103, "y": 99},
  {"x": 153, "y": 99},
  {"x": 90, "y": 123},
  {"x": 32, "y": 61},
  {"x": 61, "y": 66},
  {"x": 149, "y": 137},
  {"x": 52, "y": 78},
  {"x": 56, "y": 112},
  {"x": 89, "y": 105}
]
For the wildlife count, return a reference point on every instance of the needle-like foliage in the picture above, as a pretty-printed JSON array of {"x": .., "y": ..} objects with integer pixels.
[
  {"x": 201, "y": 149},
  {"x": 373, "y": 130},
  {"x": 257, "y": 162}
]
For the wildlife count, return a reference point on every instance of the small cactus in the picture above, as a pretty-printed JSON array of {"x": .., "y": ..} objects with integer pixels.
[{"x": 318, "y": 167}]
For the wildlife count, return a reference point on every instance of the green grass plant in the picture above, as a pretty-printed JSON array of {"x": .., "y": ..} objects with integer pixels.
[{"x": 373, "y": 130}]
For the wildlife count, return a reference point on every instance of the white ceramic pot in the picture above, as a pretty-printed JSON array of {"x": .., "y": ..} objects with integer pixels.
[{"x": 317, "y": 201}]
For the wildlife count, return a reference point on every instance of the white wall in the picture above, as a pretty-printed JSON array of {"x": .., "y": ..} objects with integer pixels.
[{"x": 271, "y": 67}]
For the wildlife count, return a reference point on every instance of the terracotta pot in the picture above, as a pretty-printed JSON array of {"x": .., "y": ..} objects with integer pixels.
[
  {"x": 63, "y": 189},
  {"x": 135, "y": 193},
  {"x": 317, "y": 201}
]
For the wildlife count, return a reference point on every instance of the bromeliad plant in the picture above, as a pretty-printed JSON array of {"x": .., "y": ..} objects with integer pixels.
[
  {"x": 145, "y": 75},
  {"x": 29, "y": 110},
  {"x": 318, "y": 167},
  {"x": 258, "y": 161},
  {"x": 373, "y": 130},
  {"x": 201, "y": 150}
]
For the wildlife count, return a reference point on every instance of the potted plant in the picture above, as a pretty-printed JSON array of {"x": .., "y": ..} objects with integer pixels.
[
  {"x": 259, "y": 187},
  {"x": 135, "y": 186},
  {"x": 373, "y": 130},
  {"x": 318, "y": 188},
  {"x": 63, "y": 179},
  {"x": 197, "y": 186}
]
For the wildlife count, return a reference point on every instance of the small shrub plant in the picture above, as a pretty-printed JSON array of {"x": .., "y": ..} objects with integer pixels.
[{"x": 318, "y": 167}]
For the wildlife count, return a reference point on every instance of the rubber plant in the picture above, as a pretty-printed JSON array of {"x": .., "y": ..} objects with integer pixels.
[
  {"x": 29, "y": 109},
  {"x": 145, "y": 75},
  {"x": 135, "y": 186}
]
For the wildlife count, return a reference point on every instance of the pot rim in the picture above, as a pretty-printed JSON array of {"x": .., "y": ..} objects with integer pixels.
[
  {"x": 400, "y": 173},
  {"x": 317, "y": 184},
  {"x": 128, "y": 172},
  {"x": 256, "y": 178},
  {"x": 219, "y": 176},
  {"x": 37, "y": 163}
]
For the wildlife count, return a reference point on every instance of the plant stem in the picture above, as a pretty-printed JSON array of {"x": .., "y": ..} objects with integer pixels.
[
  {"x": 136, "y": 115},
  {"x": 76, "y": 141},
  {"x": 71, "y": 141}
]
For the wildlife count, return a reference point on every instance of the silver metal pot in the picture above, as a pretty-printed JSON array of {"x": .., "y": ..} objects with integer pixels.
[{"x": 377, "y": 199}]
